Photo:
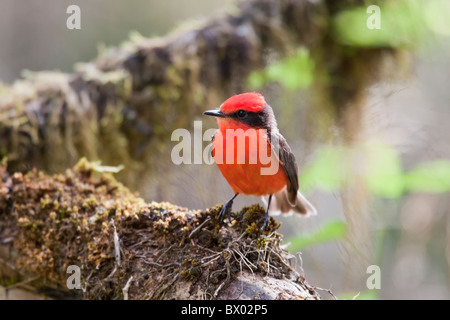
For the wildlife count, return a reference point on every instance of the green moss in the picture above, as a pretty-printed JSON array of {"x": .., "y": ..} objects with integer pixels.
[
  {"x": 72, "y": 224},
  {"x": 252, "y": 229}
]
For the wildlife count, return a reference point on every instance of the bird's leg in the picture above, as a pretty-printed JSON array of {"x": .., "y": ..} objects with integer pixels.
[
  {"x": 265, "y": 219},
  {"x": 226, "y": 209}
]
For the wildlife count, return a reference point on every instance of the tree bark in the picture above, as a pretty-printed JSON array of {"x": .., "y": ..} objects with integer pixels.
[
  {"x": 122, "y": 107},
  {"x": 125, "y": 248}
]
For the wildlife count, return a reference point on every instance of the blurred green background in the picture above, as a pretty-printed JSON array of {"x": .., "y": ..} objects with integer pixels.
[{"x": 384, "y": 200}]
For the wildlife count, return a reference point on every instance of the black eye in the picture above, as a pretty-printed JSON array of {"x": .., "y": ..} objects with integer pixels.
[{"x": 242, "y": 113}]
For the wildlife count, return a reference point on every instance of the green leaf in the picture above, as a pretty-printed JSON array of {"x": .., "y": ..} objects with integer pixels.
[
  {"x": 402, "y": 24},
  {"x": 429, "y": 177},
  {"x": 256, "y": 80},
  {"x": 437, "y": 16},
  {"x": 292, "y": 73},
  {"x": 381, "y": 169},
  {"x": 384, "y": 171},
  {"x": 331, "y": 231},
  {"x": 328, "y": 172}
]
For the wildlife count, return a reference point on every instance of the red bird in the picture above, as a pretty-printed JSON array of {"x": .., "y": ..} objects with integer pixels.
[{"x": 247, "y": 138}]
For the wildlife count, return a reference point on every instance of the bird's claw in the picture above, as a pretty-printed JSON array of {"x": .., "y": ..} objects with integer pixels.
[
  {"x": 226, "y": 210},
  {"x": 265, "y": 222}
]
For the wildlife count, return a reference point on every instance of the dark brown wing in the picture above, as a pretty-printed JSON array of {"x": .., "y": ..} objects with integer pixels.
[{"x": 289, "y": 165}]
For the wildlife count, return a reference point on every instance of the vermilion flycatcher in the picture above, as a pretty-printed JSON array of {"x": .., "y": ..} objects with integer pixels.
[{"x": 248, "y": 131}]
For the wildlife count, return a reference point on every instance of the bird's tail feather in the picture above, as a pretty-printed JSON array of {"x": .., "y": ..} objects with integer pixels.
[{"x": 280, "y": 204}]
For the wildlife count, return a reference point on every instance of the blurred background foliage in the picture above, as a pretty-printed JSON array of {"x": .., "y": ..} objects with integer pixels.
[
  {"x": 408, "y": 24},
  {"x": 383, "y": 197}
]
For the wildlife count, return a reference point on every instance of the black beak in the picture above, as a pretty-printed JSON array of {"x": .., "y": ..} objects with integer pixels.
[{"x": 215, "y": 113}]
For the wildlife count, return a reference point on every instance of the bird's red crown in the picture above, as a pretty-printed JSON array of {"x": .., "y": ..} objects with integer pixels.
[{"x": 250, "y": 101}]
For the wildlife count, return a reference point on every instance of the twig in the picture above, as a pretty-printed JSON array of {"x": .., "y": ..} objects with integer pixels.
[
  {"x": 210, "y": 261},
  {"x": 219, "y": 288},
  {"x": 116, "y": 245},
  {"x": 246, "y": 261},
  {"x": 21, "y": 284},
  {"x": 228, "y": 267},
  {"x": 125, "y": 289},
  {"x": 326, "y": 290},
  {"x": 199, "y": 227},
  {"x": 165, "y": 251},
  {"x": 108, "y": 278},
  {"x": 204, "y": 248},
  {"x": 281, "y": 259},
  {"x": 86, "y": 281}
]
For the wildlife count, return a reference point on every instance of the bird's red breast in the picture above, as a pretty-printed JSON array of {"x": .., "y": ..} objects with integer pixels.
[{"x": 244, "y": 176}]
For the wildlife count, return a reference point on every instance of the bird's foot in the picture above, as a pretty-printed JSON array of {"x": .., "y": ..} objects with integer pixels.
[
  {"x": 265, "y": 222},
  {"x": 225, "y": 211}
]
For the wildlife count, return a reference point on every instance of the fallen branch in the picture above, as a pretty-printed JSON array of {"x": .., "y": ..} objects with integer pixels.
[{"x": 129, "y": 249}]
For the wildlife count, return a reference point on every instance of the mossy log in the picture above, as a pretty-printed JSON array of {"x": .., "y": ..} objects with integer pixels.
[
  {"x": 122, "y": 107},
  {"x": 129, "y": 249}
]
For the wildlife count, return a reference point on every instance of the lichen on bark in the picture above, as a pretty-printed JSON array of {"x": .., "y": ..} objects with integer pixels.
[{"x": 88, "y": 219}]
